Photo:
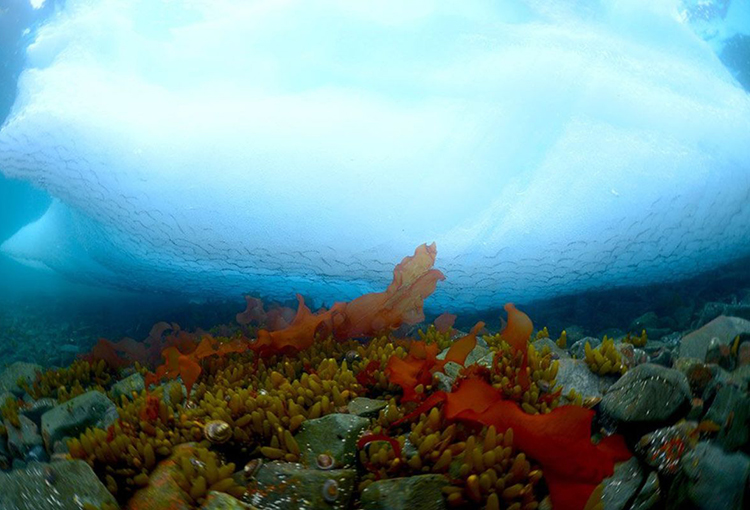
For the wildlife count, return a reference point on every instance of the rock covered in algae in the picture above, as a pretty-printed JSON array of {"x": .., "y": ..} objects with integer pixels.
[
  {"x": 19, "y": 370},
  {"x": 622, "y": 485},
  {"x": 162, "y": 491},
  {"x": 64, "y": 485},
  {"x": 23, "y": 438},
  {"x": 731, "y": 408},
  {"x": 222, "y": 501},
  {"x": 92, "y": 409},
  {"x": 335, "y": 435},
  {"x": 132, "y": 383},
  {"x": 710, "y": 479},
  {"x": 574, "y": 374},
  {"x": 291, "y": 486},
  {"x": 647, "y": 393},
  {"x": 421, "y": 492},
  {"x": 366, "y": 407},
  {"x": 723, "y": 328}
]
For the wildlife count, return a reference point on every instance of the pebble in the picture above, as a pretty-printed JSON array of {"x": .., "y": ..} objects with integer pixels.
[{"x": 647, "y": 393}]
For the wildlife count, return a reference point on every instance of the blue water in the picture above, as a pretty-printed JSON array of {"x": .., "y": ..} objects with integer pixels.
[{"x": 160, "y": 159}]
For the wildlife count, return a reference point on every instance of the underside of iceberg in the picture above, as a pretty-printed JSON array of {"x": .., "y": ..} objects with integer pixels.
[{"x": 222, "y": 147}]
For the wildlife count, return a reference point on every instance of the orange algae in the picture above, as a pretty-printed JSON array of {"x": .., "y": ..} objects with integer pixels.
[{"x": 444, "y": 322}]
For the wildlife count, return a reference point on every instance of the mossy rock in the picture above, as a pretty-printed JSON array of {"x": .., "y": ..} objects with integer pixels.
[
  {"x": 64, "y": 485},
  {"x": 366, "y": 407},
  {"x": 423, "y": 492},
  {"x": 18, "y": 371},
  {"x": 92, "y": 409},
  {"x": 132, "y": 383},
  {"x": 648, "y": 393},
  {"x": 291, "y": 486},
  {"x": 222, "y": 501},
  {"x": 335, "y": 435}
]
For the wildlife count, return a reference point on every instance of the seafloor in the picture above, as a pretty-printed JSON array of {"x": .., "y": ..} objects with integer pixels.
[{"x": 364, "y": 405}]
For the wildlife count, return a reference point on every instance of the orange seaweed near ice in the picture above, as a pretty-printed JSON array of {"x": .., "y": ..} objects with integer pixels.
[
  {"x": 414, "y": 279},
  {"x": 517, "y": 333}
]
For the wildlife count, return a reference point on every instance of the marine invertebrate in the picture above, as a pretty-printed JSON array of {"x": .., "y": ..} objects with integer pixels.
[
  {"x": 69, "y": 382},
  {"x": 605, "y": 359}
]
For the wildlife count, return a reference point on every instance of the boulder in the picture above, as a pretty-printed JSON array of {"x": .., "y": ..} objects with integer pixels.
[
  {"x": 647, "y": 393},
  {"x": 64, "y": 485},
  {"x": 574, "y": 374},
  {"x": 731, "y": 410},
  {"x": 291, "y": 486},
  {"x": 335, "y": 435},
  {"x": 421, "y": 492},
  {"x": 132, "y": 383},
  {"x": 23, "y": 438},
  {"x": 710, "y": 479},
  {"x": 725, "y": 329},
  {"x": 18, "y": 371},
  {"x": 92, "y": 409},
  {"x": 620, "y": 488}
]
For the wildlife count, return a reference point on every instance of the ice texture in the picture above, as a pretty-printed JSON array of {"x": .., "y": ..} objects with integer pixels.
[{"x": 219, "y": 147}]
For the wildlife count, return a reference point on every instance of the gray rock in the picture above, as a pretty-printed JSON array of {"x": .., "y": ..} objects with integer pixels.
[
  {"x": 92, "y": 409},
  {"x": 578, "y": 349},
  {"x": 695, "y": 344},
  {"x": 335, "y": 435},
  {"x": 65, "y": 485},
  {"x": 222, "y": 501},
  {"x": 303, "y": 488},
  {"x": 647, "y": 393},
  {"x": 574, "y": 374},
  {"x": 731, "y": 410},
  {"x": 622, "y": 485},
  {"x": 645, "y": 321},
  {"x": 649, "y": 495},
  {"x": 476, "y": 354},
  {"x": 132, "y": 383},
  {"x": 542, "y": 342},
  {"x": 574, "y": 333},
  {"x": 444, "y": 382},
  {"x": 366, "y": 407},
  {"x": 19, "y": 370},
  {"x": 36, "y": 409},
  {"x": 712, "y": 310},
  {"x": 422, "y": 492},
  {"x": 710, "y": 479},
  {"x": 23, "y": 438}
]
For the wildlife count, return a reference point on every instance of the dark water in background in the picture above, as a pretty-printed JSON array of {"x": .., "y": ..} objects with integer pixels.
[{"x": 47, "y": 319}]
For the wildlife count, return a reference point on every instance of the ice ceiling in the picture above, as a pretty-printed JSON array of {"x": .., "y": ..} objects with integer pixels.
[{"x": 219, "y": 147}]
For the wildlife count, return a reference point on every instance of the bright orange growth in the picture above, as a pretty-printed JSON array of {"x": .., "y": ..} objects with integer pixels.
[
  {"x": 444, "y": 322},
  {"x": 419, "y": 366},
  {"x": 401, "y": 303},
  {"x": 560, "y": 440},
  {"x": 516, "y": 334},
  {"x": 187, "y": 366}
]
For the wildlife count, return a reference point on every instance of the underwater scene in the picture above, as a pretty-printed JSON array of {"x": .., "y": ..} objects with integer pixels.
[{"x": 378, "y": 255}]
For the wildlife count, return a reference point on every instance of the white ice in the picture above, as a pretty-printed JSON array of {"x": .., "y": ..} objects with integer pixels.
[{"x": 272, "y": 147}]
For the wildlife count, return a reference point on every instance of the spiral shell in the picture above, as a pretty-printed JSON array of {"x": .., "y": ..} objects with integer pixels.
[
  {"x": 217, "y": 431},
  {"x": 330, "y": 490},
  {"x": 252, "y": 468},
  {"x": 325, "y": 461}
]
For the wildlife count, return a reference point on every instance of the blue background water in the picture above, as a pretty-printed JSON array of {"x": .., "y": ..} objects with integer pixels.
[{"x": 51, "y": 308}]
